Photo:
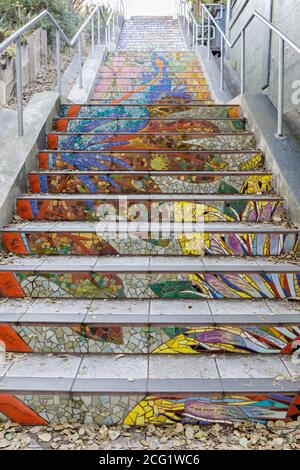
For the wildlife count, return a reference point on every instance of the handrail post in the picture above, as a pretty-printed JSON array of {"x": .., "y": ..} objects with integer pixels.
[
  {"x": 203, "y": 12},
  {"x": 243, "y": 61},
  {"x": 58, "y": 61},
  {"x": 194, "y": 35},
  {"x": 80, "y": 61},
  {"x": 99, "y": 26},
  {"x": 19, "y": 87},
  {"x": 93, "y": 37},
  {"x": 113, "y": 26},
  {"x": 280, "y": 87},
  {"x": 197, "y": 34},
  {"x": 208, "y": 39},
  {"x": 222, "y": 64}
]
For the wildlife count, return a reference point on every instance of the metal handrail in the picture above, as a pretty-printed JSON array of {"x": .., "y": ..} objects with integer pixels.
[
  {"x": 16, "y": 37},
  {"x": 283, "y": 39},
  {"x": 187, "y": 14},
  {"x": 110, "y": 24},
  {"x": 185, "y": 11}
]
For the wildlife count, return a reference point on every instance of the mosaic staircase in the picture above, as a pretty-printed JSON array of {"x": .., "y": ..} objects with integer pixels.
[{"x": 178, "y": 311}]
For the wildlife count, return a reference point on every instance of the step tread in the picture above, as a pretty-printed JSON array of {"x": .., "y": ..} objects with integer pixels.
[
  {"x": 84, "y": 226},
  {"x": 145, "y": 312},
  {"x": 147, "y": 374},
  {"x": 144, "y": 264}
]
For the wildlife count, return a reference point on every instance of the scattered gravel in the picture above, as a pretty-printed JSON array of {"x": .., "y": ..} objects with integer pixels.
[{"x": 249, "y": 436}]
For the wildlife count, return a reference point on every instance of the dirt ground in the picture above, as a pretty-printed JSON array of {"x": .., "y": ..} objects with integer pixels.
[{"x": 273, "y": 436}]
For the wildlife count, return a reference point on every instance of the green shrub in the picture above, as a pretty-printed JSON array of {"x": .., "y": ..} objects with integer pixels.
[{"x": 15, "y": 14}]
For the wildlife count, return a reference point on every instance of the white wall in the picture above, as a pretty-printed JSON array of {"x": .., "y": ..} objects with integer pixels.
[
  {"x": 151, "y": 7},
  {"x": 286, "y": 15}
]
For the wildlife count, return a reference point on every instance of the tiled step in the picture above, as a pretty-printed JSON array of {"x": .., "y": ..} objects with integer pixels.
[
  {"x": 137, "y": 390},
  {"x": 151, "y": 161},
  {"x": 147, "y": 68},
  {"x": 159, "y": 96},
  {"x": 183, "y": 182},
  {"x": 152, "y": 62},
  {"x": 155, "y": 239},
  {"x": 136, "y": 75},
  {"x": 144, "y": 125},
  {"x": 144, "y": 208},
  {"x": 145, "y": 101},
  {"x": 181, "y": 56},
  {"x": 135, "y": 80},
  {"x": 146, "y": 327},
  {"x": 116, "y": 89},
  {"x": 177, "y": 111},
  {"x": 113, "y": 277},
  {"x": 151, "y": 142}
]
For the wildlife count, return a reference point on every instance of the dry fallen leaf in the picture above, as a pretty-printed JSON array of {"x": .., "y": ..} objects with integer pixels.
[{"x": 45, "y": 436}]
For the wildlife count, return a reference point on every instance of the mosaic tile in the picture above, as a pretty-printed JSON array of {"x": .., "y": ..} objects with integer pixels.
[
  {"x": 242, "y": 210},
  {"x": 137, "y": 410},
  {"x": 177, "y": 111},
  {"x": 147, "y": 243},
  {"x": 130, "y": 183},
  {"x": 152, "y": 161},
  {"x": 146, "y": 125},
  {"x": 264, "y": 339},
  {"x": 153, "y": 142},
  {"x": 258, "y": 284}
]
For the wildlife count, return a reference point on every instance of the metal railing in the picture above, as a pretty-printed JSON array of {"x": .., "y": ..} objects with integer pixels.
[
  {"x": 115, "y": 17},
  {"x": 209, "y": 26},
  {"x": 282, "y": 40},
  {"x": 189, "y": 21}
]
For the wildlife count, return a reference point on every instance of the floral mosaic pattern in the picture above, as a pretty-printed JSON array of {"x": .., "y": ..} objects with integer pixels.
[
  {"x": 114, "y": 339},
  {"x": 224, "y": 339},
  {"x": 145, "y": 243},
  {"x": 151, "y": 161},
  {"x": 155, "y": 84},
  {"x": 174, "y": 111},
  {"x": 215, "y": 409},
  {"x": 130, "y": 183},
  {"x": 201, "y": 285},
  {"x": 146, "y": 126},
  {"x": 137, "y": 410},
  {"x": 237, "y": 210},
  {"x": 208, "y": 140}
]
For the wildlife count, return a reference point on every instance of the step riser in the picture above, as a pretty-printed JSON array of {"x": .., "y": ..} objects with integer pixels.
[
  {"x": 150, "y": 161},
  {"x": 153, "y": 142},
  {"x": 108, "y": 244},
  {"x": 152, "y": 96},
  {"x": 180, "y": 77},
  {"x": 119, "y": 88},
  {"x": 154, "y": 409},
  {"x": 128, "y": 184},
  {"x": 147, "y": 68},
  {"x": 152, "y": 111},
  {"x": 96, "y": 210},
  {"x": 123, "y": 54},
  {"x": 146, "y": 126},
  {"x": 132, "y": 82},
  {"x": 92, "y": 284},
  {"x": 149, "y": 339}
]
